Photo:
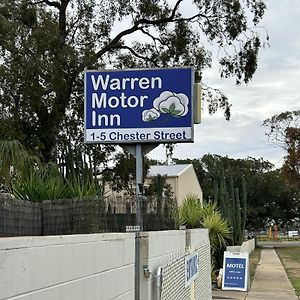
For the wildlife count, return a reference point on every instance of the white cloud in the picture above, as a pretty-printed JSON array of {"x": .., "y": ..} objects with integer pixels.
[{"x": 274, "y": 89}]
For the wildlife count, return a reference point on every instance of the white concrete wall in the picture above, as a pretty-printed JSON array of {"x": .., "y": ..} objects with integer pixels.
[
  {"x": 233, "y": 248},
  {"x": 95, "y": 266},
  {"x": 198, "y": 239},
  {"x": 78, "y": 267},
  {"x": 160, "y": 248},
  {"x": 246, "y": 247},
  {"x": 157, "y": 248}
]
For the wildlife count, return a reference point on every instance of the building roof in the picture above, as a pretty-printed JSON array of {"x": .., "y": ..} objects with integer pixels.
[{"x": 169, "y": 170}]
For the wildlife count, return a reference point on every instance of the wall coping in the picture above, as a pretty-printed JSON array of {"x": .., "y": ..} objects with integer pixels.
[
  {"x": 162, "y": 233},
  {"x": 9, "y": 243}
]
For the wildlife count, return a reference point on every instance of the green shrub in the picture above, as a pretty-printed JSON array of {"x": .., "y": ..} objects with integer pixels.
[
  {"x": 193, "y": 214},
  {"x": 190, "y": 212}
]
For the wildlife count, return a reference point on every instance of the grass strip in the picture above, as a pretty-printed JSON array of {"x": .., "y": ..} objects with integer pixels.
[
  {"x": 290, "y": 259},
  {"x": 254, "y": 259}
]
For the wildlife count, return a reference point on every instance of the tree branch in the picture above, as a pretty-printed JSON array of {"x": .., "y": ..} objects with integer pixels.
[
  {"x": 62, "y": 20},
  {"x": 161, "y": 21},
  {"x": 74, "y": 25},
  {"x": 52, "y": 3},
  {"x": 37, "y": 2},
  {"x": 48, "y": 2},
  {"x": 134, "y": 53},
  {"x": 136, "y": 26},
  {"x": 154, "y": 38}
]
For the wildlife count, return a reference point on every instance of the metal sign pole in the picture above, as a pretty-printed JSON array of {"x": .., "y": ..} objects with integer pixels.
[
  {"x": 139, "y": 181},
  {"x": 139, "y": 186}
]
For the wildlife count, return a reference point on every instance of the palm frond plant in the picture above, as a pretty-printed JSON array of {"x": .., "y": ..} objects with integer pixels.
[
  {"x": 24, "y": 176},
  {"x": 38, "y": 183},
  {"x": 207, "y": 209},
  {"x": 193, "y": 214},
  {"x": 190, "y": 212},
  {"x": 14, "y": 160},
  {"x": 219, "y": 229},
  {"x": 82, "y": 186}
]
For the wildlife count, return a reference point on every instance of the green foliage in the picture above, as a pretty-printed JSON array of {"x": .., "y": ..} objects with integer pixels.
[
  {"x": 45, "y": 182},
  {"x": 39, "y": 183},
  {"x": 27, "y": 178},
  {"x": 121, "y": 177},
  {"x": 244, "y": 204},
  {"x": 14, "y": 160},
  {"x": 284, "y": 130},
  {"x": 190, "y": 212},
  {"x": 230, "y": 208},
  {"x": 159, "y": 187},
  {"x": 268, "y": 196},
  {"x": 81, "y": 187},
  {"x": 46, "y": 45},
  {"x": 193, "y": 214},
  {"x": 233, "y": 210},
  {"x": 291, "y": 166},
  {"x": 239, "y": 234},
  {"x": 277, "y": 126},
  {"x": 219, "y": 230}
]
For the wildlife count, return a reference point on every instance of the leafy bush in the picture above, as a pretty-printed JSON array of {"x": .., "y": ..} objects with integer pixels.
[
  {"x": 14, "y": 160},
  {"x": 27, "y": 178},
  {"x": 193, "y": 214},
  {"x": 190, "y": 212},
  {"x": 219, "y": 229},
  {"x": 39, "y": 183}
]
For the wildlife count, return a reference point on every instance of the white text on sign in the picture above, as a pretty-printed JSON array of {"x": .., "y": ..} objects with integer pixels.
[{"x": 132, "y": 135}]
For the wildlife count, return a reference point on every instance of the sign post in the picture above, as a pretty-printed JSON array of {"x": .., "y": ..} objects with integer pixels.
[
  {"x": 235, "y": 271},
  {"x": 142, "y": 107},
  {"x": 139, "y": 182}
]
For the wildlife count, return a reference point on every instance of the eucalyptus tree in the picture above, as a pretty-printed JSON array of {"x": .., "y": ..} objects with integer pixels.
[
  {"x": 278, "y": 125},
  {"x": 284, "y": 130},
  {"x": 267, "y": 197},
  {"x": 46, "y": 45}
]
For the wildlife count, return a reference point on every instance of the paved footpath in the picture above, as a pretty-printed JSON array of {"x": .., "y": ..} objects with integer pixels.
[{"x": 270, "y": 282}]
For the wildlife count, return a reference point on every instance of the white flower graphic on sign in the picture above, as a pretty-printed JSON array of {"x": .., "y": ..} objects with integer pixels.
[
  {"x": 150, "y": 115},
  {"x": 171, "y": 103}
]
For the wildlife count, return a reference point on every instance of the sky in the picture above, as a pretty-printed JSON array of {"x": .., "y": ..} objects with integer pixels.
[{"x": 273, "y": 89}]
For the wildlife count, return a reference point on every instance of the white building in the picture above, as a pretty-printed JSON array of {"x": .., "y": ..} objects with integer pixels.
[{"x": 182, "y": 178}]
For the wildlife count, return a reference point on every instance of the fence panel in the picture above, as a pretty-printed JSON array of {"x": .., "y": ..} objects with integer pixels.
[
  {"x": 19, "y": 218},
  {"x": 76, "y": 216}
]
